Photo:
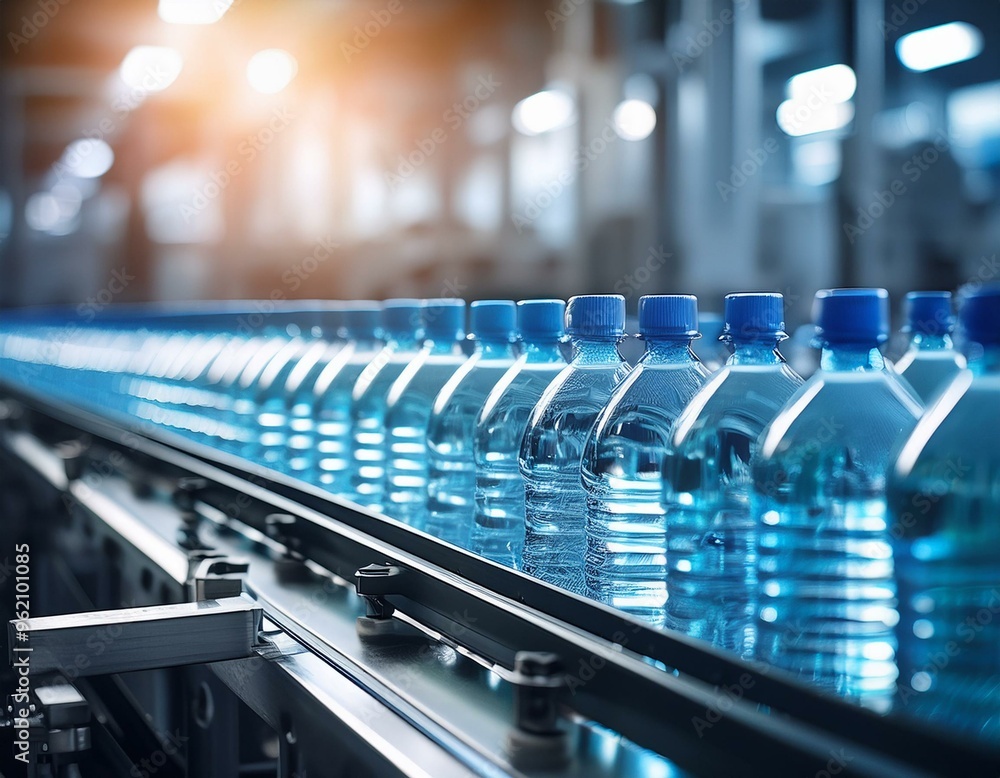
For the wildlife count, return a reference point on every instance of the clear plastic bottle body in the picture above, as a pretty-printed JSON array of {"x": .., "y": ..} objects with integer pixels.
[
  {"x": 621, "y": 471},
  {"x": 241, "y": 417},
  {"x": 930, "y": 364},
  {"x": 498, "y": 523},
  {"x": 826, "y": 589},
  {"x": 320, "y": 442},
  {"x": 303, "y": 397},
  {"x": 451, "y": 484},
  {"x": 711, "y": 553},
  {"x": 269, "y": 420},
  {"x": 408, "y": 412},
  {"x": 554, "y": 499},
  {"x": 944, "y": 502},
  {"x": 363, "y": 480}
]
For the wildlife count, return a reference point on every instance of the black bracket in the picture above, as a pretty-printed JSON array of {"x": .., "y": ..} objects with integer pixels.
[{"x": 537, "y": 742}]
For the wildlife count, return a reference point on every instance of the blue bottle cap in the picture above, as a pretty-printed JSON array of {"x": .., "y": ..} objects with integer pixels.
[
  {"x": 979, "y": 313},
  {"x": 540, "y": 319},
  {"x": 363, "y": 319},
  {"x": 444, "y": 318},
  {"x": 755, "y": 316},
  {"x": 929, "y": 313},
  {"x": 851, "y": 316},
  {"x": 492, "y": 320},
  {"x": 668, "y": 315},
  {"x": 402, "y": 316},
  {"x": 596, "y": 315}
]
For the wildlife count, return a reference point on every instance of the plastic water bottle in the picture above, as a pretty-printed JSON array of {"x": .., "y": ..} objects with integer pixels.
[
  {"x": 363, "y": 480},
  {"x": 554, "y": 499},
  {"x": 262, "y": 331},
  {"x": 930, "y": 362},
  {"x": 712, "y": 563},
  {"x": 623, "y": 458},
  {"x": 451, "y": 486},
  {"x": 944, "y": 506},
  {"x": 824, "y": 564},
  {"x": 281, "y": 335},
  {"x": 498, "y": 526},
  {"x": 318, "y": 414},
  {"x": 272, "y": 394},
  {"x": 408, "y": 410}
]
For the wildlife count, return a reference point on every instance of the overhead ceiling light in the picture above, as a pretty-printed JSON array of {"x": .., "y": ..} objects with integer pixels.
[
  {"x": 938, "y": 46},
  {"x": 798, "y": 118},
  {"x": 271, "y": 70},
  {"x": 87, "y": 158},
  {"x": 151, "y": 68},
  {"x": 832, "y": 84},
  {"x": 192, "y": 11},
  {"x": 543, "y": 112},
  {"x": 634, "y": 119}
]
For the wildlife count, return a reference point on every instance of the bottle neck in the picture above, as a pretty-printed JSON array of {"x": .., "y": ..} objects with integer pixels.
[
  {"x": 593, "y": 351},
  {"x": 851, "y": 357},
  {"x": 489, "y": 348},
  {"x": 924, "y": 342},
  {"x": 668, "y": 351},
  {"x": 541, "y": 351},
  {"x": 755, "y": 352},
  {"x": 983, "y": 360}
]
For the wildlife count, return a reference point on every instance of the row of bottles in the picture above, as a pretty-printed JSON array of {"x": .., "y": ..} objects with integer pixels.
[{"x": 740, "y": 505}]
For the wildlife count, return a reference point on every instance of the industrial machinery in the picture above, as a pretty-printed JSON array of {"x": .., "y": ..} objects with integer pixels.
[{"x": 178, "y": 611}]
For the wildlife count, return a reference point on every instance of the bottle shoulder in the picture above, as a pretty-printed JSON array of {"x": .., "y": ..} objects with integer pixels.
[
  {"x": 469, "y": 386},
  {"x": 520, "y": 387},
  {"x": 859, "y": 411},
  {"x": 576, "y": 390},
  {"x": 651, "y": 396},
  {"x": 741, "y": 399},
  {"x": 962, "y": 424}
]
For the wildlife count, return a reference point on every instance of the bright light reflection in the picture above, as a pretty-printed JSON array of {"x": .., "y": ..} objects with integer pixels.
[
  {"x": 192, "y": 11},
  {"x": 271, "y": 70},
  {"x": 87, "y": 158},
  {"x": 151, "y": 68},
  {"x": 832, "y": 84},
  {"x": 797, "y": 118},
  {"x": 938, "y": 46},
  {"x": 634, "y": 119},
  {"x": 544, "y": 112}
]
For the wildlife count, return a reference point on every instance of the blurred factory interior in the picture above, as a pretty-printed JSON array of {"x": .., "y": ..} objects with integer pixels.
[{"x": 354, "y": 149}]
